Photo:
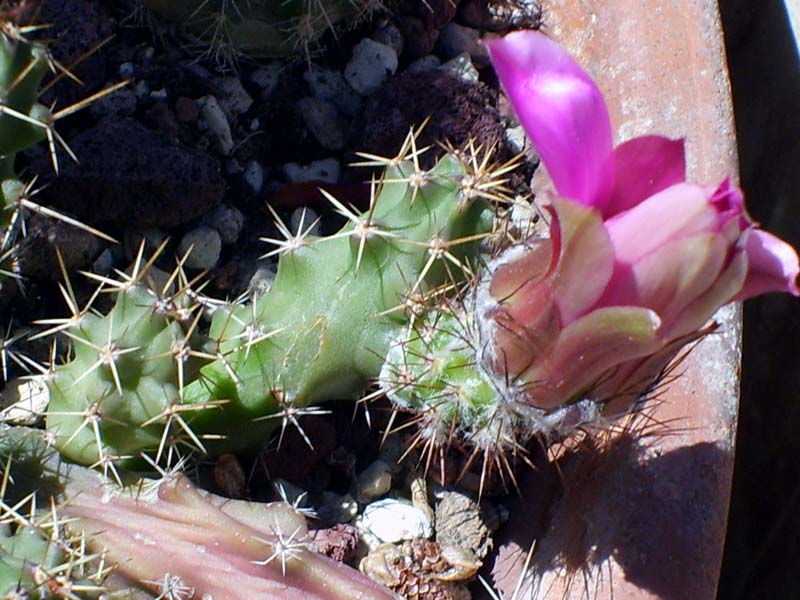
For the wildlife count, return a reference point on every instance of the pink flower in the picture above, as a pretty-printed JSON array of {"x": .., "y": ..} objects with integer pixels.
[{"x": 637, "y": 261}]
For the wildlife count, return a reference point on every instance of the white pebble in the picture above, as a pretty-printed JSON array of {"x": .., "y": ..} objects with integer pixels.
[
  {"x": 391, "y": 520},
  {"x": 204, "y": 245},
  {"x": 326, "y": 170},
  {"x": 371, "y": 64},
  {"x": 217, "y": 123}
]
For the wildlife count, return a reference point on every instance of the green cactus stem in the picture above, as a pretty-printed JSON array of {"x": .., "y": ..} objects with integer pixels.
[{"x": 143, "y": 380}]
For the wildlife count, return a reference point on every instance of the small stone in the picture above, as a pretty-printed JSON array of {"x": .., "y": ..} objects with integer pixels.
[
  {"x": 456, "y": 39},
  {"x": 515, "y": 138},
  {"x": 463, "y": 67},
  {"x": 186, "y": 110},
  {"x": 217, "y": 124},
  {"x": 302, "y": 218},
  {"x": 24, "y": 401},
  {"x": 331, "y": 86},
  {"x": 389, "y": 35},
  {"x": 323, "y": 122},
  {"x": 290, "y": 493},
  {"x": 255, "y": 125},
  {"x": 230, "y": 476},
  {"x": 204, "y": 246},
  {"x": 141, "y": 89},
  {"x": 232, "y": 96},
  {"x": 228, "y": 221},
  {"x": 233, "y": 166},
  {"x": 103, "y": 264},
  {"x": 254, "y": 176},
  {"x": 374, "y": 481},
  {"x": 336, "y": 508},
  {"x": 159, "y": 94},
  {"x": 326, "y": 170},
  {"x": 120, "y": 103},
  {"x": 267, "y": 78},
  {"x": 460, "y": 523},
  {"x": 371, "y": 64},
  {"x": 262, "y": 280},
  {"x": 133, "y": 239},
  {"x": 126, "y": 70},
  {"x": 392, "y": 520},
  {"x": 425, "y": 63}
]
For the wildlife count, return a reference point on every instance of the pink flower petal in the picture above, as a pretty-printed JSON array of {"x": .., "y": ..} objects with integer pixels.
[
  {"x": 643, "y": 167},
  {"x": 672, "y": 214},
  {"x": 586, "y": 259},
  {"x": 586, "y": 350},
  {"x": 562, "y": 111},
  {"x": 773, "y": 266}
]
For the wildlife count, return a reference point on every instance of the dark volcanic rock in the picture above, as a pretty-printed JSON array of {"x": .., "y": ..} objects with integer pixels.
[
  {"x": 420, "y": 22},
  {"x": 458, "y": 111},
  {"x": 133, "y": 176}
]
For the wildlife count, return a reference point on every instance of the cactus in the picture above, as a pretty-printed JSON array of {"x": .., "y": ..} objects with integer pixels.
[
  {"x": 53, "y": 515},
  {"x": 38, "y": 558},
  {"x": 143, "y": 378},
  {"x": 262, "y": 28}
]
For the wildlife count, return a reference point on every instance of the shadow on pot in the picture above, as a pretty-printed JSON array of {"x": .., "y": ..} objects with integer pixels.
[{"x": 654, "y": 515}]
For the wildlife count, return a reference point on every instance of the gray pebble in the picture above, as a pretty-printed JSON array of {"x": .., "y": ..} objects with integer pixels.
[
  {"x": 262, "y": 279},
  {"x": 302, "y": 218},
  {"x": 228, "y": 221},
  {"x": 336, "y": 508},
  {"x": 254, "y": 176},
  {"x": 132, "y": 240},
  {"x": 463, "y": 67},
  {"x": 389, "y": 35},
  {"x": 267, "y": 78},
  {"x": 205, "y": 245},
  {"x": 456, "y": 39},
  {"x": 374, "y": 481},
  {"x": 323, "y": 122},
  {"x": 515, "y": 138},
  {"x": 217, "y": 124},
  {"x": 331, "y": 86},
  {"x": 104, "y": 263},
  {"x": 425, "y": 63},
  {"x": 121, "y": 103},
  {"x": 326, "y": 170},
  {"x": 141, "y": 89},
  {"x": 126, "y": 70},
  {"x": 371, "y": 64},
  {"x": 160, "y": 94},
  {"x": 233, "y": 98}
]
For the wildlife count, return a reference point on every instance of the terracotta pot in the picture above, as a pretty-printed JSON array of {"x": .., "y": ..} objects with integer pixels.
[{"x": 641, "y": 513}]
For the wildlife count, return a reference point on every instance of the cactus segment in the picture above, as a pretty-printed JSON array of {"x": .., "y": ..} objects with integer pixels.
[{"x": 142, "y": 380}]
